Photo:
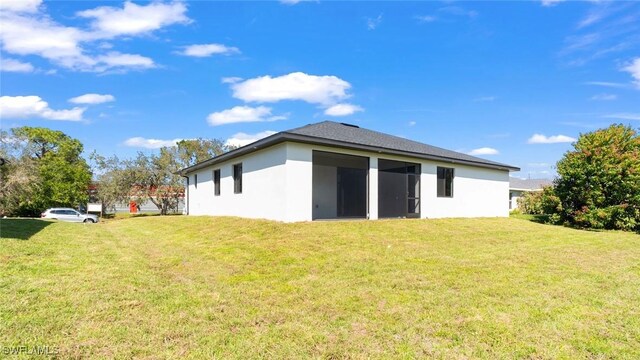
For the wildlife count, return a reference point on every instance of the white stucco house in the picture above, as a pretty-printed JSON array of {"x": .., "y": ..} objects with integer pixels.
[
  {"x": 517, "y": 187},
  {"x": 331, "y": 170}
]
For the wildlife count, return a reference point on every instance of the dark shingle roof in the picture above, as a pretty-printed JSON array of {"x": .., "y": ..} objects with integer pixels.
[
  {"x": 353, "y": 137},
  {"x": 528, "y": 184},
  {"x": 356, "y": 135}
]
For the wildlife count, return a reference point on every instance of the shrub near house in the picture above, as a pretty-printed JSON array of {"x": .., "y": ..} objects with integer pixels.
[{"x": 598, "y": 184}]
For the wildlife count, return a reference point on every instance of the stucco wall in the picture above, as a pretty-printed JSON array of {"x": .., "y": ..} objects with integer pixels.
[
  {"x": 263, "y": 187},
  {"x": 277, "y": 185},
  {"x": 477, "y": 192}
]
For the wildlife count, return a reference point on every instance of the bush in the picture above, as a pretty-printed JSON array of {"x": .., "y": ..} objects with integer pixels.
[
  {"x": 543, "y": 202},
  {"x": 599, "y": 181}
]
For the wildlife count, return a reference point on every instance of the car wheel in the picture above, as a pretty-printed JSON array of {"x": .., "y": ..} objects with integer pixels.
[{"x": 89, "y": 221}]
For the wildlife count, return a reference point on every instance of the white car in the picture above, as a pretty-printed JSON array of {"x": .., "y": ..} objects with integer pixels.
[{"x": 68, "y": 214}]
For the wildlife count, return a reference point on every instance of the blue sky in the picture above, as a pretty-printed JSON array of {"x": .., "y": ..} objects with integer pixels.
[{"x": 513, "y": 82}]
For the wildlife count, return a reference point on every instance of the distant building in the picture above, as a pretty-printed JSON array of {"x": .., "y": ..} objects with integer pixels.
[
  {"x": 517, "y": 187},
  {"x": 139, "y": 203}
]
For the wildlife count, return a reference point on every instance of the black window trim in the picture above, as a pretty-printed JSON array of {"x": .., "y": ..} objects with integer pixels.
[
  {"x": 237, "y": 179},
  {"x": 216, "y": 182},
  {"x": 453, "y": 176},
  {"x": 195, "y": 181}
]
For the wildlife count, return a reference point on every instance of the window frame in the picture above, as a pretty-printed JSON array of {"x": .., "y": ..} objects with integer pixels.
[
  {"x": 444, "y": 190},
  {"x": 237, "y": 178},
  {"x": 195, "y": 181},
  {"x": 216, "y": 182}
]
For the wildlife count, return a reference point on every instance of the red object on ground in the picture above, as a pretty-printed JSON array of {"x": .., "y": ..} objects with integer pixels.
[{"x": 133, "y": 207}]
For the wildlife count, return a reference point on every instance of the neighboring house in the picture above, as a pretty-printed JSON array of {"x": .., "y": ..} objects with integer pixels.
[
  {"x": 139, "y": 202},
  {"x": 517, "y": 187},
  {"x": 331, "y": 170}
]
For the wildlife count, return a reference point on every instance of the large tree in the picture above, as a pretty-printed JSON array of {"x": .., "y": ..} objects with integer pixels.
[
  {"x": 599, "y": 180},
  {"x": 45, "y": 169}
]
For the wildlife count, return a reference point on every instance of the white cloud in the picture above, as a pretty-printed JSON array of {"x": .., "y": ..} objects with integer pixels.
[
  {"x": 33, "y": 32},
  {"x": 20, "y": 6},
  {"x": 623, "y": 116},
  {"x": 325, "y": 90},
  {"x": 206, "y": 50},
  {"x": 484, "y": 151},
  {"x": 607, "y": 84},
  {"x": 542, "y": 139},
  {"x": 134, "y": 19},
  {"x": 39, "y": 35},
  {"x": 373, "y": 23},
  {"x": 633, "y": 68},
  {"x": 230, "y": 80},
  {"x": 34, "y": 107},
  {"x": 458, "y": 11},
  {"x": 241, "y": 114},
  {"x": 342, "y": 110},
  {"x": 426, "y": 18},
  {"x": 289, "y": 2},
  {"x": 11, "y": 65},
  {"x": 118, "y": 61},
  {"x": 92, "y": 99},
  {"x": 551, "y": 2},
  {"x": 242, "y": 139},
  {"x": 604, "y": 97},
  {"x": 141, "y": 142},
  {"x": 412, "y": 123}
]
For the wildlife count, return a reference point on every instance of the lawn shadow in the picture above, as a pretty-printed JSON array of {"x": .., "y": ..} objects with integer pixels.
[
  {"x": 540, "y": 219},
  {"x": 21, "y": 229}
]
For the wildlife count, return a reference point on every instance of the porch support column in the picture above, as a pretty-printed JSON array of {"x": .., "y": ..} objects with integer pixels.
[{"x": 373, "y": 188}]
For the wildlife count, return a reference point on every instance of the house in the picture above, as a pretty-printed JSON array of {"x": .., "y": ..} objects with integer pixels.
[
  {"x": 517, "y": 187},
  {"x": 332, "y": 170}
]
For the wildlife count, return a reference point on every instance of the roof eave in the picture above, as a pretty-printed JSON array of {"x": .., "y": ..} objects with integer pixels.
[{"x": 286, "y": 136}]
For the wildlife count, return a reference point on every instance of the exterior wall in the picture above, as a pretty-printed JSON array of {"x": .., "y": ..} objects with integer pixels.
[
  {"x": 278, "y": 185},
  {"x": 514, "y": 196},
  {"x": 263, "y": 188},
  {"x": 299, "y": 189},
  {"x": 477, "y": 192}
]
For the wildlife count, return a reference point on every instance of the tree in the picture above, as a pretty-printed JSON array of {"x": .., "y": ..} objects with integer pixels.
[
  {"x": 599, "y": 181},
  {"x": 114, "y": 180},
  {"x": 190, "y": 152},
  {"x": 156, "y": 175},
  {"x": 49, "y": 165},
  {"x": 151, "y": 177},
  {"x": 18, "y": 176}
]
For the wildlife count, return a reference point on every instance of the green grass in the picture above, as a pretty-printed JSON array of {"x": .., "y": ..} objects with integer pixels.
[{"x": 201, "y": 287}]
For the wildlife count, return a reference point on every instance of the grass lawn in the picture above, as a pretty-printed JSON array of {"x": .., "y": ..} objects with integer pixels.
[{"x": 201, "y": 287}]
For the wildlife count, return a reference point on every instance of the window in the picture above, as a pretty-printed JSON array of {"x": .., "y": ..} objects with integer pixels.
[
  {"x": 216, "y": 182},
  {"x": 195, "y": 180},
  {"x": 445, "y": 182},
  {"x": 237, "y": 178}
]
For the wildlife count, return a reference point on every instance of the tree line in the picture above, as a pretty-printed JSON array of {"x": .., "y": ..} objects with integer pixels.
[{"x": 44, "y": 168}]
